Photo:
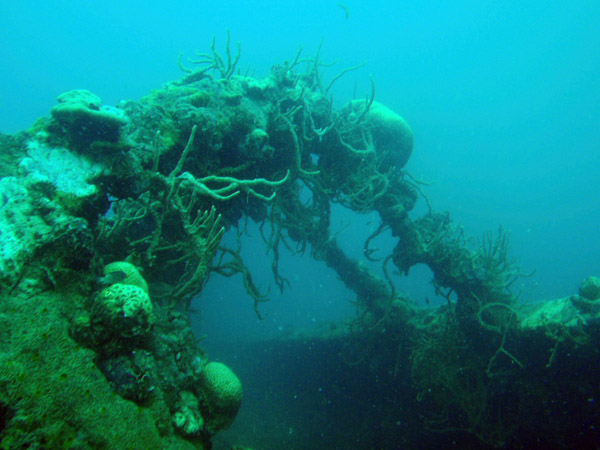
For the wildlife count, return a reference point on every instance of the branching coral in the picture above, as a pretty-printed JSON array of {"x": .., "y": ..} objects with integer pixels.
[
  {"x": 179, "y": 261},
  {"x": 214, "y": 61},
  {"x": 177, "y": 180},
  {"x": 480, "y": 276},
  {"x": 178, "y": 241}
]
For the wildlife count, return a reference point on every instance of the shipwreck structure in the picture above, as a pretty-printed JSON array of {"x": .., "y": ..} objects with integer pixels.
[{"x": 111, "y": 222}]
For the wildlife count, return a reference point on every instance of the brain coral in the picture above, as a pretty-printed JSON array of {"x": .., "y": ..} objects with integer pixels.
[
  {"x": 129, "y": 274},
  {"x": 222, "y": 390},
  {"x": 121, "y": 311},
  {"x": 392, "y": 137}
]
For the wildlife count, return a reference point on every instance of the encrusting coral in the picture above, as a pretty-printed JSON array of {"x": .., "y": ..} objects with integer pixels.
[
  {"x": 83, "y": 117},
  {"x": 187, "y": 417}
]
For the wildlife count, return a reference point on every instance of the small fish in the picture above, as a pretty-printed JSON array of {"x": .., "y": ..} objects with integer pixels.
[{"x": 346, "y": 10}]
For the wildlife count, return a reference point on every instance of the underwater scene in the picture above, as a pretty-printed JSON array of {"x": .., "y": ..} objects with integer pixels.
[{"x": 255, "y": 225}]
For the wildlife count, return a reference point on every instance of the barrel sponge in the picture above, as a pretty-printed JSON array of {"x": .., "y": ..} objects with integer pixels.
[
  {"x": 222, "y": 390},
  {"x": 129, "y": 274},
  {"x": 122, "y": 311}
]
